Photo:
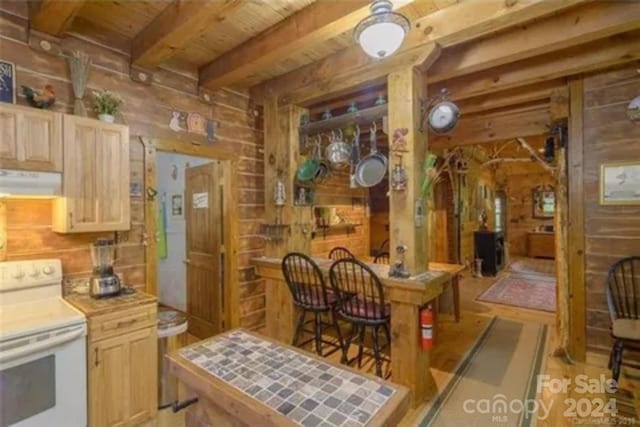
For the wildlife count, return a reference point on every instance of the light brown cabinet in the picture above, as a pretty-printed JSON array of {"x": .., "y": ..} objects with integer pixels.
[
  {"x": 122, "y": 361},
  {"x": 95, "y": 183},
  {"x": 122, "y": 378},
  {"x": 541, "y": 245},
  {"x": 30, "y": 139}
]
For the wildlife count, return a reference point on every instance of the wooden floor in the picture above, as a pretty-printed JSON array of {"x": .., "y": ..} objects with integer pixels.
[{"x": 455, "y": 339}]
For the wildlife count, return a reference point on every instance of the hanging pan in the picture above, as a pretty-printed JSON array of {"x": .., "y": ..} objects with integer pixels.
[
  {"x": 324, "y": 167},
  {"x": 355, "y": 158},
  {"x": 308, "y": 169},
  {"x": 371, "y": 169}
]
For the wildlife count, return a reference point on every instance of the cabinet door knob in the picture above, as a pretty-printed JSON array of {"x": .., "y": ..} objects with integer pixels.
[
  {"x": 97, "y": 362},
  {"x": 71, "y": 220}
]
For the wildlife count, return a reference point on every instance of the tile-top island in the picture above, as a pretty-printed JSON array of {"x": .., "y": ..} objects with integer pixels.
[
  {"x": 409, "y": 362},
  {"x": 242, "y": 378}
]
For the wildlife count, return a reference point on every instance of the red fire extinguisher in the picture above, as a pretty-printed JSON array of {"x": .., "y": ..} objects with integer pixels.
[{"x": 426, "y": 326}]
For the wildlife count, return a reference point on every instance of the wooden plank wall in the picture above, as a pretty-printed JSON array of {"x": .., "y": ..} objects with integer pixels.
[
  {"x": 147, "y": 110},
  {"x": 29, "y": 234},
  {"x": 611, "y": 232},
  {"x": 335, "y": 192},
  {"x": 518, "y": 181}
]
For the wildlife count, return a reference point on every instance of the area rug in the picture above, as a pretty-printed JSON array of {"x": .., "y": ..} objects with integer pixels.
[
  {"x": 532, "y": 291},
  {"x": 502, "y": 366},
  {"x": 546, "y": 267}
]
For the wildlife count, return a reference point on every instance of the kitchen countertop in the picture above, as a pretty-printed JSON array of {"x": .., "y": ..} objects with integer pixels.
[
  {"x": 92, "y": 306},
  {"x": 287, "y": 384}
]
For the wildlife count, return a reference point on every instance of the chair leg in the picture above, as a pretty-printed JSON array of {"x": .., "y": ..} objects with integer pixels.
[
  {"x": 347, "y": 344},
  {"x": 334, "y": 320},
  {"x": 376, "y": 350},
  {"x": 617, "y": 360},
  {"x": 385, "y": 327},
  {"x": 318, "y": 330},
  {"x": 299, "y": 326},
  {"x": 360, "y": 345}
]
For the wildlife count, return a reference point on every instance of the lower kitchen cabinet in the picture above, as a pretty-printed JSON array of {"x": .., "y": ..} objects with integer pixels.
[
  {"x": 122, "y": 359},
  {"x": 123, "y": 379}
]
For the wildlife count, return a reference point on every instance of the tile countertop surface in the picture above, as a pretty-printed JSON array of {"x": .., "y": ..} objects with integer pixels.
[
  {"x": 95, "y": 306},
  {"x": 307, "y": 390}
]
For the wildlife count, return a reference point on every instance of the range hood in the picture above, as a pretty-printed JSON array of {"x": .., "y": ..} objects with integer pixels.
[{"x": 16, "y": 183}]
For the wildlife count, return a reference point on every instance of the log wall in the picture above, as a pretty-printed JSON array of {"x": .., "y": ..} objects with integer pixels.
[
  {"x": 147, "y": 110},
  {"x": 518, "y": 181},
  {"x": 611, "y": 232}
]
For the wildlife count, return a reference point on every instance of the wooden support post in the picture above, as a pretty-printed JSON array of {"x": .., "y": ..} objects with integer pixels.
[
  {"x": 280, "y": 159},
  {"x": 575, "y": 224},
  {"x": 406, "y": 90},
  {"x": 150, "y": 212}
]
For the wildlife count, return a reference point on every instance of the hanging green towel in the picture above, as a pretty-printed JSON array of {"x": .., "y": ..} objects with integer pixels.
[{"x": 162, "y": 230}]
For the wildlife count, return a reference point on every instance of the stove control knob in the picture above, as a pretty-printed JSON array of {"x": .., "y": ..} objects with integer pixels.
[
  {"x": 34, "y": 272},
  {"x": 18, "y": 274},
  {"x": 47, "y": 269}
]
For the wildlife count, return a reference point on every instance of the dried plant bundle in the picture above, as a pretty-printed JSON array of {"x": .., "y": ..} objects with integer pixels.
[{"x": 79, "y": 64}]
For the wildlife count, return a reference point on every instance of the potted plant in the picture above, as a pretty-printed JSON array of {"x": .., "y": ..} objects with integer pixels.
[{"x": 106, "y": 105}]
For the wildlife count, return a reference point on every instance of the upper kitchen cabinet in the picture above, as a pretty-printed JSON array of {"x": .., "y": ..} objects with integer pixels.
[
  {"x": 30, "y": 139},
  {"x": 95, "y": 183}
]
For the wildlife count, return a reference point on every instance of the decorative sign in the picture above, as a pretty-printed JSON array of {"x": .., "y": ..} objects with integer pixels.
[
  {"x": 195, "y": 123},
  {"x": 7, "y": 82},
  {"x": 200, "y": 200},
  {"x": 399, "y": 139},
  {"x": 633, "y": 110}
]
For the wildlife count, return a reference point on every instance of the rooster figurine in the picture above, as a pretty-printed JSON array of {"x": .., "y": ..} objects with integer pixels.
[{"x": 44, "y": 98}]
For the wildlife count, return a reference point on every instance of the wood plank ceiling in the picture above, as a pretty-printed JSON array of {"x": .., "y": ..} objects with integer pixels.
[{"x": 493, "y": 55}]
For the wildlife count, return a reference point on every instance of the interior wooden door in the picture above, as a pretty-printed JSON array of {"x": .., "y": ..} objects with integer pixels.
[{"x": 205, "y": 248}]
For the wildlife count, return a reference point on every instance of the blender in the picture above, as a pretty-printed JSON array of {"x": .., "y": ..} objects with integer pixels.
[{"x": 104, "y": 281}]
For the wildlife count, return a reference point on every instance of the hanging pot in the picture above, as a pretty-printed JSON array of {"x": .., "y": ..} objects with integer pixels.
[
  {"x": 324, "y": 168},
  {"x": 308, "y": 169},
  {"x": 372, "y": 169},
  {"x": 338, "y": 151},
  {"x": 355, "y": 158}
]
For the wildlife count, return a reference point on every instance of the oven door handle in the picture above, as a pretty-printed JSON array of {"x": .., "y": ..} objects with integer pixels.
[{"x": 56, "y": 341}]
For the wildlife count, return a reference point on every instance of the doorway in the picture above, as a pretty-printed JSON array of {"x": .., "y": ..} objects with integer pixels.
[{"x": 192, "y": 262}]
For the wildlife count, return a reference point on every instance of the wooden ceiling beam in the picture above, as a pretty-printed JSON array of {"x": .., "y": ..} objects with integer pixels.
[
  {"x": 53, "y": 17},
  {"x": 372, "y": 73},
  {"x": 175, "y": 27},
  {"x": 312, "y": 25},
  {"x": 615, "y": 50},
  {"x": 532, "y": 93},
  {"x": 453, "y": 25},
  {"x": 577, "y": 26},
  {"x": 495, "y": 127}
]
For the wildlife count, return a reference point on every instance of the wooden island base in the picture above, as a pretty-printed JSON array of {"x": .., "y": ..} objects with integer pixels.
[
  {"x": 244, "y": 379},
  {"x": 410, "y": 363}
]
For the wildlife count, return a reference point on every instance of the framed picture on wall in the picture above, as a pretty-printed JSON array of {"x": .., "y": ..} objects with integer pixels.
[
  {"x": 7, "y": 82},
  {"x": 177, "y": 206},
  {"x": 620, "y": 183},
  {"x": 544, "y": 203}
]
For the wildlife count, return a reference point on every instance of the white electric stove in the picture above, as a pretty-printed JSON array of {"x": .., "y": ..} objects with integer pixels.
[{"x": 43, "y": 380}]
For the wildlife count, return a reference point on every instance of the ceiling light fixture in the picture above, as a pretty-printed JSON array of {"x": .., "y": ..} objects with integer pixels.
[{"x": 382, "y": 32}]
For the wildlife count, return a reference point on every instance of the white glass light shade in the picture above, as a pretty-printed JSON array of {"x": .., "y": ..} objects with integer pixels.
[
  {"x": 381, "y": 39},
  {"x": 382, "y": 32}
]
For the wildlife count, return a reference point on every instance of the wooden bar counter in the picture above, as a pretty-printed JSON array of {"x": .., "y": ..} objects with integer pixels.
[
  {"x": 245, "y": 379},
  {"x": 409, "y": 362}
]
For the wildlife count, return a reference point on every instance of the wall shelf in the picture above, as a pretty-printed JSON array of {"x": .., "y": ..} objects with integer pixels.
[
  {"x": 366, "y": 115},
  {"x": 327, "y": 229}
]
